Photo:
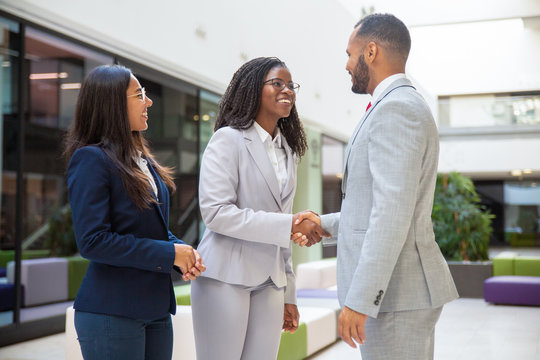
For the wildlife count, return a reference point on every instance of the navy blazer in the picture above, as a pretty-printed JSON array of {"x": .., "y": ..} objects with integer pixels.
[{"x": 131, "y": 251}]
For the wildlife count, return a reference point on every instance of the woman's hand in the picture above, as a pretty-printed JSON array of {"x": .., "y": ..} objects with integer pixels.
[
  {"x": 291, "y": 318},
  {"x": 195, "y": 270},
  {"x": 184, "y": 257}
]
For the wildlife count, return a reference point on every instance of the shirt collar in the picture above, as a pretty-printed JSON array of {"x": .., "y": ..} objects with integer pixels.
[
  {"x": 265, "y": 136},
  {"x": 383, "y": 85}
]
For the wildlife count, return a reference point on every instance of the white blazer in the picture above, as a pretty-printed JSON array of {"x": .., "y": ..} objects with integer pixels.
[{"x": 248, "y": 221}]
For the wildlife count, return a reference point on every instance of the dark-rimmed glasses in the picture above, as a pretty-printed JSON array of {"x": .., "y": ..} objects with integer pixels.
[
  {"x": 279, "y": 84},
  {"x": 140, "y": 95}
]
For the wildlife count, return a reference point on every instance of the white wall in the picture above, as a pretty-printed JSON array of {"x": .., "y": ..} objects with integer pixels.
[
  {"x": 491, "y": 155},
  {"x": 205, "y": 41},
  {"x": 487, "y": 57}
]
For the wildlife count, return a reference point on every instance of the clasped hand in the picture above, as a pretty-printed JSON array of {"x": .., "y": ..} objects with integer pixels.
[
  {"x": 306, "y": 228},
  {"x": 189, "y": 261}
]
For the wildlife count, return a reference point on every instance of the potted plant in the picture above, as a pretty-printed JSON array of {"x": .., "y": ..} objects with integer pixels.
[{"x": 462, "y": 229}]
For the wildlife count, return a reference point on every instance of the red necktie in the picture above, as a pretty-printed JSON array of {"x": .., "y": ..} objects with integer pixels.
[{"x": 368, "y": 106}]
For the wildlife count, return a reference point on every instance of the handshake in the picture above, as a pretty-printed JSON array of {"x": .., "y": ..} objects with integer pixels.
[{"x": 306, "y": 228}]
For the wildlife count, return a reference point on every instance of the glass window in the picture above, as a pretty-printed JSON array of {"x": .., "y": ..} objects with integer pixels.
[
  {"x": 332, "y": 153},
  {"x": 489, "y": 110},
  {"x": 9, "y": 73},
  {"x": 516, "y": 206},
  {"x": 57, "y": 68},
  {"x": 207, "y": 118},
  {"x": 522, "y": 213},
  {"x": 9, "y": 126}
]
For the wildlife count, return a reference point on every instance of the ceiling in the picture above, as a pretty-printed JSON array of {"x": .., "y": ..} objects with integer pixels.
[{"x": 435, "y": 12}]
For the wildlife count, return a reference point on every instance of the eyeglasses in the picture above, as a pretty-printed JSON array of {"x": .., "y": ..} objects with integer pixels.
[
  {"x": 280, "y": 84},
  {"x": 140, "y": 95}
]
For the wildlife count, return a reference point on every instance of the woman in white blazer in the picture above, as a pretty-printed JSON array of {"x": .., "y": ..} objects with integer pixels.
[{"x": 246, "y": 191}]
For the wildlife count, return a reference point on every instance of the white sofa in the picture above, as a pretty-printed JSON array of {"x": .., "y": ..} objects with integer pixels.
[{"x": 319, "y": 274}]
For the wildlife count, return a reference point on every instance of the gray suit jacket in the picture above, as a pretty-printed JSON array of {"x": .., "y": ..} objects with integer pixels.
[
  {"x": 388, "y": 259},
  {"x": 248, "y": 221}
]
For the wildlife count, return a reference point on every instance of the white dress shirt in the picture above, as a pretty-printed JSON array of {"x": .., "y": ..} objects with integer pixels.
[
  {"x": 276, "y": 153},
  {"x": 383, "y": 85},
  {"x": 143, "y": 165}
]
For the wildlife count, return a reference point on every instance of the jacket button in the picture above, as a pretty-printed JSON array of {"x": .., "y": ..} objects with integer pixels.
[
  {"x": 376, "y": 302},
  {"x": 378, "y": 297},
  {"x": 159, "y": 268},
  {"x": 381, "y": 292}
]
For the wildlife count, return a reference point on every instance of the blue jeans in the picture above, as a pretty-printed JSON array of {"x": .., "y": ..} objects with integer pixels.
[{"x": 108, "y": 337}]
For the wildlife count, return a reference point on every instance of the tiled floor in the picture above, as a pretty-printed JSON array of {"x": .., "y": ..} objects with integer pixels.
[{"x": 469, "y": 329}]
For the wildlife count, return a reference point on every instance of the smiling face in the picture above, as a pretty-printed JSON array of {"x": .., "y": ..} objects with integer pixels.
[
  {"x": 277, "y": 103},
  {"x": 137, "y": 105}
]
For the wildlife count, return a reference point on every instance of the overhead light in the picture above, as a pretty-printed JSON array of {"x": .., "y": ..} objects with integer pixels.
[
  {"x": 339, "y": 175},
  {"x": 195, "y": 117},
  {"x": 205, "y": 117},
  {"x": 527, "y": 171},
  {"x": 48, "y": 76},
  {"x": 70, "y": 86},
  {"x": 516, "y": 172}
]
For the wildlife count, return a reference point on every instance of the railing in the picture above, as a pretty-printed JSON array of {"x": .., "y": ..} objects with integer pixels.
[{"x": 488, "y": 110}]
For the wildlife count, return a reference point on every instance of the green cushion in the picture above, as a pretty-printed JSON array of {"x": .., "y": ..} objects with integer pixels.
[
  {"x": 527, "y": 266},
  {"x": 183, "y": 294},
  {"x": 77, "y": 266},
  {"x": 293, "y": 346},
  {"x": 522, "y": 240},
  {"x": 9, "y": 255},
  {"x": 504, "y": 264}
]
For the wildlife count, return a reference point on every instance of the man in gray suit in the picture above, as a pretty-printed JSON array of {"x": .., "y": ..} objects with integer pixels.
[{"x": 392, "y": 277}]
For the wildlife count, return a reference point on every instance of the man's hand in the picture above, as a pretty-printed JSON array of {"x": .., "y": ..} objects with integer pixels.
[
  {"x": 290, "y": 318},
  {"x": 308, "y": 224},
  {"x": 351, "y": 326}
]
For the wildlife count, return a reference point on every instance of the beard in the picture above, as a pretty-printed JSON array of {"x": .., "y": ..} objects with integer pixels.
[{"x": 360, "y": 76}]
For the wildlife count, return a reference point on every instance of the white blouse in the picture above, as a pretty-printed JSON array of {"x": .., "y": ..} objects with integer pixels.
[
  {"x": 143, "y": 165},
  {"x": 276, "y": 153}
]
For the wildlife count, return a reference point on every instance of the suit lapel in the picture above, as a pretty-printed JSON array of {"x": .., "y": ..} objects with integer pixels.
[
  {"x": 396, "y": 84},
  {"x": 163, "y": 200},
  {"x": 258, "y": 153}
]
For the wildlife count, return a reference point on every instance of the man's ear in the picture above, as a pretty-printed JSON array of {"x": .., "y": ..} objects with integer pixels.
[{"x": 371, "y": 52}]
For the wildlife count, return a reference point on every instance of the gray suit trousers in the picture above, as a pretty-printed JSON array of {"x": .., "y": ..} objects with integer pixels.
[
  {"x": 401, "y": 335},
  {"x": 233, "y": 322}
]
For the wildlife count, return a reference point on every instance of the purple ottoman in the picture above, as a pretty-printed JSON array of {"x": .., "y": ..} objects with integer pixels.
[
  {"x": 513, "y": 290},
  {"x": 316, "y": 293}
]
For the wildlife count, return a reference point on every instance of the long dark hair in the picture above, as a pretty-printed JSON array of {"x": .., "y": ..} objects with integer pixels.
[
  {"x": 101, "y": 119},
  {"x": 240, "y": 104}
]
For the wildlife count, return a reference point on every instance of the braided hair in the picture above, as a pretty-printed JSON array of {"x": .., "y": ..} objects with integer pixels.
[{"x": 240, "y": 104}]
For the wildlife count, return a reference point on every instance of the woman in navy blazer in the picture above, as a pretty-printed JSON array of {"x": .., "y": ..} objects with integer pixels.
[{"x": 120, "y": 203}]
